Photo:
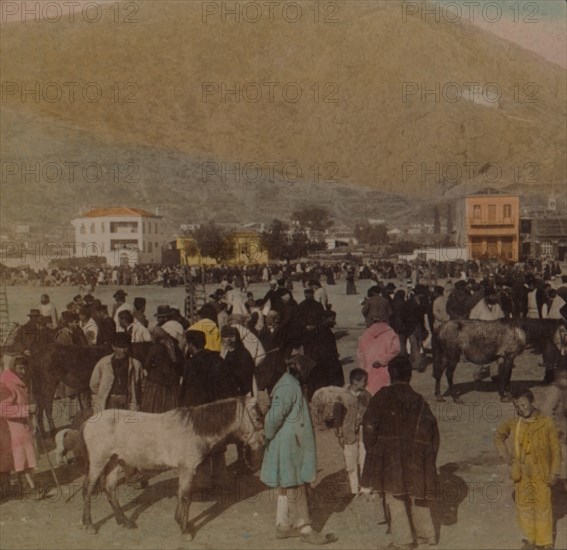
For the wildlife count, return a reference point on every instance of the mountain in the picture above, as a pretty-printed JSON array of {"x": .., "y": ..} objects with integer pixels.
[{"x": 358, "y": 143}]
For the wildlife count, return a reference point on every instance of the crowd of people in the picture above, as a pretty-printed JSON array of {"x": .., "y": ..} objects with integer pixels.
[{"x": 286, "y": 353}]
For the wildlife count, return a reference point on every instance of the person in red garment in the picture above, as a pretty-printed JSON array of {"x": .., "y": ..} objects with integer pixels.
[{"x": 17, "y": 452}]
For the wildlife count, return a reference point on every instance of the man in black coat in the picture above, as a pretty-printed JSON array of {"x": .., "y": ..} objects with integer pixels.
[
  {"x": 401, "y": 439},
  {"x": 206, "y": 377},
  {"x": 238, "y": 359}
]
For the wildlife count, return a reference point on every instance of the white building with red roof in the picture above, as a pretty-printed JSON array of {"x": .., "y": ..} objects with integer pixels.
[{"x": 124, "y": 236}]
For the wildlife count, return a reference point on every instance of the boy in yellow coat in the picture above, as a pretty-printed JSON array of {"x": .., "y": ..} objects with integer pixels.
[{"x": 535, "y": 464}]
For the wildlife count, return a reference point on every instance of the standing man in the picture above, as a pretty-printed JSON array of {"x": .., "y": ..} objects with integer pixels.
[
  {"x": 140, "y": 311},
  {"x": 135, "y": 330},
  {"x": 535, "y": 464},
  {"x": 377, "y": 346},
  {"x": 116, "y": 378},
  {"x": 48, "y": 311},
  {"x": 88, "y": 325},
  {"x": 106, "y": 327},
  {"x": 119, "y": 306},
  {"x": 401, "y": 439}
]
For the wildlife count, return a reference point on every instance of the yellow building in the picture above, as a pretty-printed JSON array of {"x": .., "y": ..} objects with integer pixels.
[
  {"x": 492, "y": 225},
  {"x": 244, "y": 248}
]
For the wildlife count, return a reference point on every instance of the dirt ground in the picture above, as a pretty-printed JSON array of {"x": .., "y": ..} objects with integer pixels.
[{"x": 476, "y": 510}]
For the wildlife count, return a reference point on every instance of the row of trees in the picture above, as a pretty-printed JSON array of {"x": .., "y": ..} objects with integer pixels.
[{"x": 280, "y": 240}]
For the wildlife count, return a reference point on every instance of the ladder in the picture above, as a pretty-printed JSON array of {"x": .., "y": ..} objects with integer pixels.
[
  {"x": 195, "y": 294},
  {"x": 6, "y": 328}
]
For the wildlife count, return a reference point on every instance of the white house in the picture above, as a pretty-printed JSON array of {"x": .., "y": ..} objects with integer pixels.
[{"x": 122, "y": 235}]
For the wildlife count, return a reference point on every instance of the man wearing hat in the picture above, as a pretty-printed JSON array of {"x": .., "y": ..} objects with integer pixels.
[
  {"x": 458, "y": 302},
  {"x": 376, "y": 308},
  {"x": 238, "y": 359},
  {"x": 32, "y": 335},
  {"x": 140, "y": 310},
  {"x": 116, "y": 378},
  {"x": 48, "y": 310},
  {"x": 310, "y": 311},
  {"x": 70, "y": 333},
  {"x": 120, "y": 305},
  {"x": 138, "y": 333},
  {"x": 106, "y": 326},
  {"x": 290, "y": 457}
]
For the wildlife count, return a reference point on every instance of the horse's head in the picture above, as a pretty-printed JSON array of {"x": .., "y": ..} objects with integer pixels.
[{"x": 252, "y": 430}]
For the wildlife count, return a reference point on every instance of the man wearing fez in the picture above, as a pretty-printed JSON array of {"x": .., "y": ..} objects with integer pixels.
[{"x": 116, "y": 378}]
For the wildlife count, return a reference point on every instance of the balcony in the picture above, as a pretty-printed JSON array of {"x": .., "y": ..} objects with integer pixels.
[{"x": 498, "y": 222}]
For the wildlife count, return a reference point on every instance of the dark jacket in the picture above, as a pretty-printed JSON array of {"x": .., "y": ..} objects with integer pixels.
[
  {"x": 458, "y": 304},
  {"x": 401, "y": 438},
  {"x": 106, "y": 332},
  {"x": 240, "y": 362},
  {"x": 206, "y": 378},
  {"x": 321, "y": 346},
  {"x": 160, "y": 366}
]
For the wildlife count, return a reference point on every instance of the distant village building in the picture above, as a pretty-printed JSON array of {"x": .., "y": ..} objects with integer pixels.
[
  {"x": 122, "y": 235},
  {"x": 245, "y": 249},
  {"x": 544, "y": 237},
  {"x": 488, "y": 224}
]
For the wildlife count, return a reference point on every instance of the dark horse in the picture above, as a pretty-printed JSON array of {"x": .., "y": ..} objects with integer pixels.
[
  {"x": 545, "y": 337},
  {"x": 180, "y": 438},
  {"x": 481, "y": 342},
  {"x": 72, "y": 365}
]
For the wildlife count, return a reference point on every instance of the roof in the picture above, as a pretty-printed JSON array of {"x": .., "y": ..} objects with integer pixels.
[
  {"x": 491, "y": 191},
  {"x": 118, "y": 211},
  {"x": 551, "y": 227}
]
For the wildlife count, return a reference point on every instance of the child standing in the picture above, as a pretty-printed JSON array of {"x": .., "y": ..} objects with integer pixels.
[{"x": 348, "y": 418}]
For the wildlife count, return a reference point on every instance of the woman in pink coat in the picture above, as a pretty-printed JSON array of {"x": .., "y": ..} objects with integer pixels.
[
  {"x": 377, "y": 346},
  {"x": 16, "y": 433}
]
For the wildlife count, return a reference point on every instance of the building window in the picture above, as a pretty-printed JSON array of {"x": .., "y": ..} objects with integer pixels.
[
  {"x": 149, "y": 228},
  {"x": 546, "y": 248},
  {"x": 476, "y": 212},
  {"x": 83, "y": 229},
  {"x": 156, "y": 245},
  {"x": 491, "y": 212},
  {"x": 507, "y": 208},
  {"x": 149, "y": 247},
  {"x": 93, "y": 228},
  {"x": 143, "y": 227},
  {"x": 102, "y": 227},
  {"x": 155, "y": 227}
]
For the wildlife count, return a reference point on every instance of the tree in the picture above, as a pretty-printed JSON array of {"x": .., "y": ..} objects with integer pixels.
[
  {"x": 286, "y": 245},
  {"x": 313, "y": 217},
  {"x": 449, "y": 220},
  {"x": 214, "y": 242},
  {"x": 436, "y": 221},
  {"x": 371, "y": 234}
]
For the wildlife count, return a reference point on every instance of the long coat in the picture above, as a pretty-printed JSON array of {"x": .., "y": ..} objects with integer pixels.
[
  {"x": 16, "y": 433},
  {"x": 378, "y": 343},
  {"x": 206, "y": 378},
  {"x": 401, "y": 438},
  {"x": 290, "y": 458}
]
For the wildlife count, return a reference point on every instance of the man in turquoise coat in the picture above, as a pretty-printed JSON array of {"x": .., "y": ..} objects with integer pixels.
[{"x": 290, "y": 457}]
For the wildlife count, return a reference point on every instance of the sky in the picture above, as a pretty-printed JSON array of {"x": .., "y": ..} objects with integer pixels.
[{"x": 537, "y": 25}]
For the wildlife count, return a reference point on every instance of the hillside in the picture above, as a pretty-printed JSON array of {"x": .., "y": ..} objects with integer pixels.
[{"x": 368, "y": 134}]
